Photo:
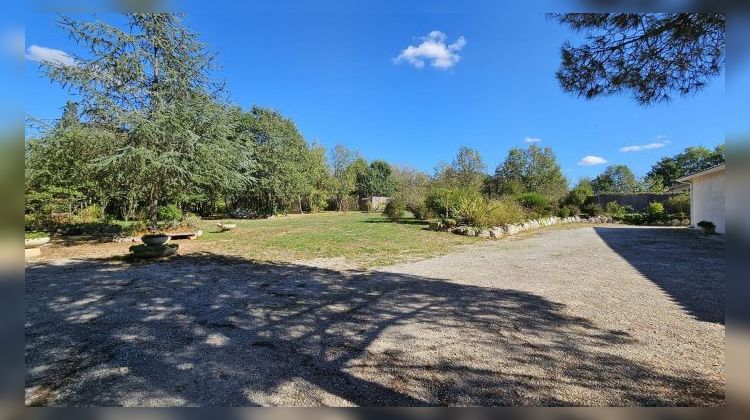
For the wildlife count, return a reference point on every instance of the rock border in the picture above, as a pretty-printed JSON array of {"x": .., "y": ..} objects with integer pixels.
[{"x": 498, "y": 232}]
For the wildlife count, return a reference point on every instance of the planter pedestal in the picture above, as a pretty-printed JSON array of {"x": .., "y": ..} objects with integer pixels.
[{"x": 153, "y": 251}]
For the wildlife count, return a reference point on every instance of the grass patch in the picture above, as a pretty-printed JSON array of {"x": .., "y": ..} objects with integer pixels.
[{"x": 365, "y": 239}]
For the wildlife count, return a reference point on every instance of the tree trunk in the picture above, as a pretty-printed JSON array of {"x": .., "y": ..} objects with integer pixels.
[
  {"x": 153, "y": 210},
  {"x": 299, "y": 201}
]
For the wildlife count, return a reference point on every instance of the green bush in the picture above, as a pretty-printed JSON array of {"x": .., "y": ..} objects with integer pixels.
[
  {"x": 504, "y": 212},
  {"x": 535, "y": 203},
  {"x": 480, "y": 212},
  {"x": 395, "y": 209},
  {"x": 420, "y": 211},
  {"x": 655, "y": 211},
  {"x": 613, "y": 209},
  {"x": 135, "y": 229},
  {"x": 169, "y": 214},
  {"x": 190, "y": 220},
  {"x": 449, "y": 222},
  {"x": 444, "y": 201},
  {"x": 568, "y": 210},
  {"x": 678, "y": 204},
  {"x": 592, "y": 209},
  {"x": 90, "y": 214},
  {"x": 32, "y": 222},
  {"x": 633, "y": 218},
  {"x": 471, "y": 211}
]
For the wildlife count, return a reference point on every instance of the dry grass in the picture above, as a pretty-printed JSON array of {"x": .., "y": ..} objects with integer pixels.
[{"x": 363, "y": 239}]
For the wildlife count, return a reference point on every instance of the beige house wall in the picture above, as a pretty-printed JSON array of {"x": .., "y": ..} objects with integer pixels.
[{"x": 707, "y": 199}]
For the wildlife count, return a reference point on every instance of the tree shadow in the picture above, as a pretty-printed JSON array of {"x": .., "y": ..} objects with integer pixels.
[
  {"x": 211, "y": 330},
  {"x": 688, "y": 266}
]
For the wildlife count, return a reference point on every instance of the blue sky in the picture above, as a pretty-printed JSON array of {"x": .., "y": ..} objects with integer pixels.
[{"x": 336, "y": 73}]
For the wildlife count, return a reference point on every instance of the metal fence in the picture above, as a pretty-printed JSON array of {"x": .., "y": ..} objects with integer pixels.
[{"x": 638, "y": 201}]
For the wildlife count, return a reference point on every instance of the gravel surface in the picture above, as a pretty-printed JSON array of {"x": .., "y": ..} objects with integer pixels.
[{"x": 589, "y": 316}]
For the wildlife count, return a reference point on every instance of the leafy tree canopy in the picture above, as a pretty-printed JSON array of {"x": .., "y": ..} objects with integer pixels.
[
  {"x": 534, "y": 169},
  {"x": 376, "y": 180},
  {"x": 691, "y": 160},
  {"x": 615, "y": 179},
  {"x": 467, "y": 170},
  {"x": 150, "y": 84}
]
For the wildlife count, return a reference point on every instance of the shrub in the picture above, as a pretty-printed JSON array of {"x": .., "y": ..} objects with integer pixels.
[
  {"x": 471, "y": 211},
  {"x": 614, "y": 209},
  {"x": 568, "y": 210},
  {"x": 169, "y": 214},
  {"x": 480, "y": 212},
  {"x": 655, "y": 211},
  {"x": 90, "y": 214},
  {"x": 444, "y": 201},
  {"x": 679, "y": 203},
  {"x": 135, "y": 229},
  {"x": 449, "y": 223},
  {"x": 32, "y": 222},
  {"x": 504, "y": 212},
  {"x": 395, "y": 209},
  {"x": 318, "y": 203},
  {"x": 535, "y": 203},
  {"x": 633, "y": 218},
  {"x": 190, "y": 220},
  {"x": 420, "y": 211},
  {"x": 592, "y": 209}
]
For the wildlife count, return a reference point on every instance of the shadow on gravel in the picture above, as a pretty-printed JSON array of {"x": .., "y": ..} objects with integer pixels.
[
  {"x": 211, "y": 330},
  {"x": 687, "y": 265}
]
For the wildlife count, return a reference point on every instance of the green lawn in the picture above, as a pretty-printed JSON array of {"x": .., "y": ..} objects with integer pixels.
[{"x": 364, "y": 239}]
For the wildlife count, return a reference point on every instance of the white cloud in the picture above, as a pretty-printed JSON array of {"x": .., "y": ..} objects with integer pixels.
[
  {"x": 49, "y": 56},
  {"x": 532, "y": 140},
  {"x": 592, "y": 160},
  {"x": 640, "y": 147},
  {"x": 432, "y": 49}
]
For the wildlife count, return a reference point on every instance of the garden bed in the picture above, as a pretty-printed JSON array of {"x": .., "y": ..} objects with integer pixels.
[{"x": 498, "y": 232}]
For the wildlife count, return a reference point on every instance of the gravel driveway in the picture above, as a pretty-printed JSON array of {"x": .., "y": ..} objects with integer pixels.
[{"x": 588, "y": 316}]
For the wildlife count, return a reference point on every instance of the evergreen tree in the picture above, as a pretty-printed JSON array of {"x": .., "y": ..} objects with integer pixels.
[{"x": 651, "y": 55}]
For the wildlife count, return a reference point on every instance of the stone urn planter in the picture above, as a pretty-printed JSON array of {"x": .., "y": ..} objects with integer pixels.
[
  {"x": 155, "y": 239},
  {"x": 154, "y": 251},
  {"x": 225, "y": 227}
]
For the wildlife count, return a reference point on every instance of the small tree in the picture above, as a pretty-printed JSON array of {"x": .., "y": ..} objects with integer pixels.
[
  {"x": 532, "y": 170},
  {"x": 467, "y": 170},
  {"x": 615, "y": 179},
  {"x": 344, "y": 177},
  {"x": 375, "y": 180}
]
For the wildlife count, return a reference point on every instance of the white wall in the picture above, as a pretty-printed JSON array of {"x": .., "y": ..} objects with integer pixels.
[{"x": 707, "y": 200}]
